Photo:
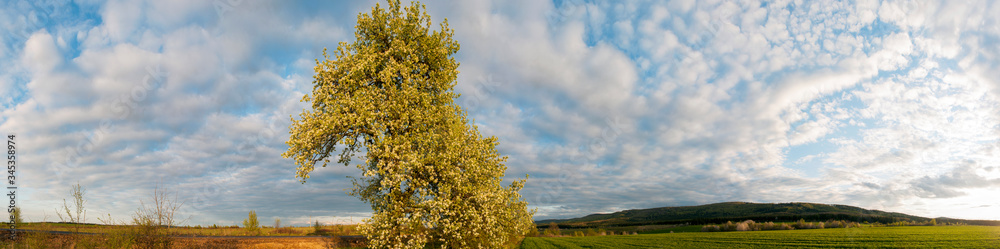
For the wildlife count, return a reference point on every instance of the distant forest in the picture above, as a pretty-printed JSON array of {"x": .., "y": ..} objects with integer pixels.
[{"x": 739, "y": 211}]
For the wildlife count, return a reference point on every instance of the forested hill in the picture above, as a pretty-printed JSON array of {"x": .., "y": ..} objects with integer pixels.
[{"x": 734, "y": 211}]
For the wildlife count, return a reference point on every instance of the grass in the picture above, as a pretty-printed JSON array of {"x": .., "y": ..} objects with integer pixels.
[
  {"x": 131, "y": 236},
  {"x": 42, "y": 240},
  {"x": 203, "y": 231},
  {"x": 865, "y": 237}
]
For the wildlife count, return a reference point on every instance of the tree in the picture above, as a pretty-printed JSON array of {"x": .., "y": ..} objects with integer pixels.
[
  {"x": 553, "y": 229},
  {"x": 431, "y": 178},
  {"x": 251, "y": 223},
  {"x": 80, "y": 213},
  {"x": 17, "y": 216}
]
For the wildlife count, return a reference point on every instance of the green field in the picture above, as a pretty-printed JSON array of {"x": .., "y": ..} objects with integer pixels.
[{"x": 865, "y": 237}]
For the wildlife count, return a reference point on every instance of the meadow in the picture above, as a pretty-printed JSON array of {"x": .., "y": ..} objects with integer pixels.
[
  {"x": 323, "y": 230},
  {"x": 863, "y": 237},
  {"x": 133, "y": 236}
]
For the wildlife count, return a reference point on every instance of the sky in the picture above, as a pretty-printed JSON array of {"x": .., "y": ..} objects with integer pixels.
[{"x": 607, "y": 105}]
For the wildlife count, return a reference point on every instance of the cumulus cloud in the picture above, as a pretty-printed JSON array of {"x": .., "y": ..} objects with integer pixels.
[{"x": 40, "y": 52}]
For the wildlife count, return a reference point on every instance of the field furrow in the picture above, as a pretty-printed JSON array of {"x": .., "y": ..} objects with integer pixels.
[{"x": 867, "y": 237}]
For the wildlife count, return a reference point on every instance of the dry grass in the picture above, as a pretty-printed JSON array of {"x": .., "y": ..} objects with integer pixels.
[
  {"x": 45, "y": 240},
  {"x": 269, "y": 243},
  {"x": 205, "y": 231}
]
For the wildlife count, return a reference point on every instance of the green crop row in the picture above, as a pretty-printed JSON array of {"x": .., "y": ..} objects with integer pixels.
[{"x": 864, "y": 237}]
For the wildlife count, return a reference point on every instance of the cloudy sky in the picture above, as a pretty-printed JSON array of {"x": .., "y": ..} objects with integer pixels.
[{"x": 891, "y": 105}]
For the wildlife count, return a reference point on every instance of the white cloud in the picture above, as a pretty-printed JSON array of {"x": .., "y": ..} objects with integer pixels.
[
  {"x": 705, "y": 100},
  {"x": 40, "y": 53},
  {"x": 122, "y": 18}
]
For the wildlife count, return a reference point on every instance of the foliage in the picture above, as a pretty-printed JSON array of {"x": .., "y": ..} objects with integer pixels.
[
  {"x": 251, "y": 224},
  {"x": 553, "y": 230},
  {"x": 750, "y": 225},
  {"x": 722, "y": 212},
  {"x": 17, "y": 216},
  {"x": 865, "y": 237},
  {"x": 430, "y": 177},
  {"x": 932, "y": 222},
  {"x": 532, "y": 232}
]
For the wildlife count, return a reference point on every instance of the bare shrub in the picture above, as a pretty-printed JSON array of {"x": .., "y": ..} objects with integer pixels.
[{"x": 161, "y": 210}]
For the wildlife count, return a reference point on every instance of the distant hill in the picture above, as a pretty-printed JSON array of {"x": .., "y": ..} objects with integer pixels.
[{"x": 738, "y": 211}]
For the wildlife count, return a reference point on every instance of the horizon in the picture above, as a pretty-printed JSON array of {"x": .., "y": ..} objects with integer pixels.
[
  {"x": 608, "y": 106},
  {"x": 745, "y": 202}
]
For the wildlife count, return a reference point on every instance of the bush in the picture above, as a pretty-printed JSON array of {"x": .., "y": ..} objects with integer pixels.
[
  {"x": 553, "y": 230},
  {"x": 742, "y": 226},
  {"x": 317, "y": 229},
  {"x": 251, "y": 224},
  {"x": 785, "y": 226},
  {"x": 285, "y": 230},
  {"x": 749, "y": 225},
  {"x": 846, "y": 224},
  {"x": 532, "y": 232},
  {"x": 146, "y": 233}
]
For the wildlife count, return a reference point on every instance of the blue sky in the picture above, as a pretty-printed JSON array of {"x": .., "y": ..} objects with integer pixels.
[{"x": 608, "y": 105}]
